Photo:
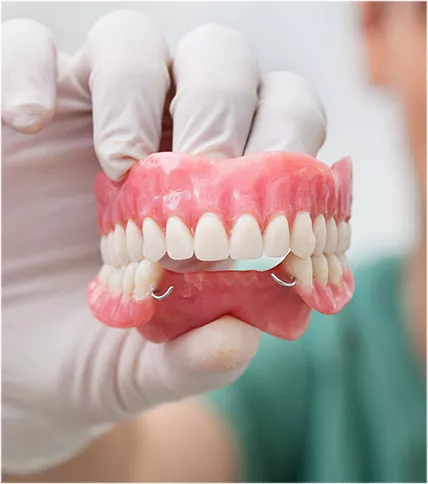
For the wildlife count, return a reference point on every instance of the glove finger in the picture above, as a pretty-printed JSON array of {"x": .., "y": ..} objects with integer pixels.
[
  {"x": 28, "y": 75},
  {"x": 124, "y": 64},
  {"x": 206, "y": 358},
  {"x": 217, "y": 77},
  {"x": 289, "y": 117}
]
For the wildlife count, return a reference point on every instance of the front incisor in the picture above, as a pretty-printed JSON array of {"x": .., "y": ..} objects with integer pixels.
[
  {"x": 302, "y": 237},
  {"x": 246, "y": 240},
  {"x": 277, "y": 237},
  {"x": 211, "y": 241}
]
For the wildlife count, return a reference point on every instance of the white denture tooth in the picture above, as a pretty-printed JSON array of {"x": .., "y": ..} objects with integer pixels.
[
  {"x": 331, "y": 241},
  {"x": 334, "y": 269},
  {"x": 103, "y": 249},
  {"x": 147, "y": 275},
  {"x": 104, "y": 274},
  {"x": 179, "y": 240},
  {"x": 343, "y": 237},
  {"x": 154, "y": 247},
  {"x": 320, "y": 268},
  {"x": 301, "y": 269},
  {"x": 129, "y": 279},
  {"x": 276, "y": 237},
  {"x": 246, "y": 240},
  {"x": 302, "y": 237},
  {"x": 109, "y": 248},
  {"x": 134, "y": 241},
  {"x": 120, "y": 254},
  {"x": 320, "y": 232},
  {"x": 115, "y": 281},
  {"x": 211, "y": 241},
  {"x": 344, "y": 262}
]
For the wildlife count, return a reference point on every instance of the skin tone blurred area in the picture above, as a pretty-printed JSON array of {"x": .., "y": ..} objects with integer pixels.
[{"x": 95, "y": 87}]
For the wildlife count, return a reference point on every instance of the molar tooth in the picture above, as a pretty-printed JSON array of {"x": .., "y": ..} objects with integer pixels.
[
  {"x": 343, "y": 237},
  {"x": 147, "y": 276},
  {"x": 179, "y": 240},
  {"x": 334, "y": 269},
  {"x": 320, "y": 267},
  {"x": 331, "y": 241},
  {"x": 120, "y": 254},
  {"x": 104, "y": 274},
  {"x": 246, "y": 240},
  {"x": 301, "y": 269},
  {"x": 277, "y": 237},
  {"x": 115, "y": 280},
  {"x": 129, "y": 279},
  {"x": 211, "y": 242},
  {"x": 134, "y": 241},
  {"x": 320, "y": 232},
  {"x": 154, "y": 246},
  {"x": 302, "y": 237}
]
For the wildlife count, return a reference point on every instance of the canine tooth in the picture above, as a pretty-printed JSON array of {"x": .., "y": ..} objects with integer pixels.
[
  {"x": 343, "y": 237},
  {"x": 115, "y": 281},
  {"x": 109, "y": 248},
  {"x": 154, "y": 246},
  {"x": 334, "y": 269},
  {"x": 129, "y": 278},
  {"x": 320, "y": 268},
  {"x": 320, "y": 232},
  {"x": 277, "y": 237},
  {"x": 302, "y": 237},
  {"x": 120, "y": 255},
  {"x": 104, "y": 273},
  {"x": 246, "y": 240},
  {"x": 146, "y": 277},
  {"x": 179, "y": 240},
  {"x": 301, "y": 269},
  {"x": 134, "y": 241},
  {"x": 331, "y": 241},
  {"x": 211, "y": 241}
]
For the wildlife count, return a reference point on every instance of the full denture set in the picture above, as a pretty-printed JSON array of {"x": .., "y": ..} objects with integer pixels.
[{"x": 174, "y": 207}]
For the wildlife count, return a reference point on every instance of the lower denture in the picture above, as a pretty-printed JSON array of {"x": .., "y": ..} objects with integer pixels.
[{"x": 239, "y": 208}]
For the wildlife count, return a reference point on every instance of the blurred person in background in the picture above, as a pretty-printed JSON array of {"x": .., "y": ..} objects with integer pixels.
[{"x": 82, "y": 402}]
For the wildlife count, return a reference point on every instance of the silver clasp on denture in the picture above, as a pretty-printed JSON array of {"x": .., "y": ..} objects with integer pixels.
[
  {"x": 163, "y": 296},
  {"x": 283, "y": 283}
]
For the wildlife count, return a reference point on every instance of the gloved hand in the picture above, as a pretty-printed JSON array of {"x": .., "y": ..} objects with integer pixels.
[{"x": 67, "y": 377}]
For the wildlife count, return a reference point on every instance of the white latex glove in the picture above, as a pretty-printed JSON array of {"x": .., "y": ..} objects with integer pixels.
[{"x": 67, "y": 377}]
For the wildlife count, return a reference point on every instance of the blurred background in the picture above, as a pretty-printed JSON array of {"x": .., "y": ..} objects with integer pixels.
[{"x": 320, "y": 41}]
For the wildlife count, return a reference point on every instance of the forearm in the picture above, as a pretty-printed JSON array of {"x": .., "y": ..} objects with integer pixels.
[{"x": 180, "y": 442}]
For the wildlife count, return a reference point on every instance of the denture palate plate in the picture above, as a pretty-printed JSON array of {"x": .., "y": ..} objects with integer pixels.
[
  {"x": 301, "y": 269},
  {"x": 343, "y": 237},
  {"x": 134, "y": 241},
  {"x": 154, "y": 247},
  {"x": 302, "y": 237},
  {"x": 120, "y": 254},
  {"x": 320, "y": 269},
  {"x": 179, "y": 240},
  {"x": 334, "y": 269},
  {"x": 246, "y": 240},
  {"x": 320, "y": 232},
  {"x": 211, "y": 241},
  {"x": 276, "y": 237},
  {"x": 146, "y": 277},
  {"x": 331, "y": 240}
]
